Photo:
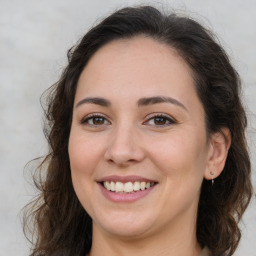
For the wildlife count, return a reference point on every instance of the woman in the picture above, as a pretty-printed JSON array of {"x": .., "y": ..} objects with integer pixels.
[{"x": 147, "y": 144}]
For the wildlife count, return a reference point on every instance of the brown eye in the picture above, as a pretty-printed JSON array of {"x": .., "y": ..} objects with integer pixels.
[
  {"x": 98, "y": 120},
  {"x": 95, "y": 120},
  {"x": 160, "y": 120}
]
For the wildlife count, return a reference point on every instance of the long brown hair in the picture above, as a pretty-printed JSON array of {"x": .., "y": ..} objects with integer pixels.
[{"x": 61, "y": 224}]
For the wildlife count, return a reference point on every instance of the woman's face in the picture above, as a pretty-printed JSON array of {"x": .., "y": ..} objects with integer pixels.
[{"x": 138, "y": 145}]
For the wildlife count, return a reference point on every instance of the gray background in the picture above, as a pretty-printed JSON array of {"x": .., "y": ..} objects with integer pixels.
[{"x": 34, "y": 38}]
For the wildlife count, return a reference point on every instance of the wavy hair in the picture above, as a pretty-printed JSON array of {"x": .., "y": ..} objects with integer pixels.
[{"x": 60, "y": 225}]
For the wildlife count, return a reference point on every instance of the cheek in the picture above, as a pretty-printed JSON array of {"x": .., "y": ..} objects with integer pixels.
[
  {"x": 84, "y": 154},
  {"x": 84, "y": 157},
  {"x": 180, "y": 154}
]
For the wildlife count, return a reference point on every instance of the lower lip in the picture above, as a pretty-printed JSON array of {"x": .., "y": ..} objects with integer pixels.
[{"x": 125, "y": 197}]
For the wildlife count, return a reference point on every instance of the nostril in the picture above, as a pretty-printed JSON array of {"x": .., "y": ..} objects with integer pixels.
[{"x": 123, "y": 152}]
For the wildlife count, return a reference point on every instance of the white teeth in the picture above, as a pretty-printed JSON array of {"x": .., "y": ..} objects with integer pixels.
[
  {"x": 127, "y": 187},
  {"x": 107, "y": 185},
  {"x": 112, "y": 186},
  {"x": 143, "y": 185},
  {"x": 119, "y": 187},
  {"x": 136, "y": 186}
]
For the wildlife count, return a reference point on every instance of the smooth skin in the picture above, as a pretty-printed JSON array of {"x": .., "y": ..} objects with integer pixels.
[{"x": 165, "y": 142}]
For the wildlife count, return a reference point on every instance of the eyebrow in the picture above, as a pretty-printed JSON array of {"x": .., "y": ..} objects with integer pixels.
[
  {"x": 96, "y": 100},
  {"x": 160, "y": 99},
  {"x": 141, "y": 102}
]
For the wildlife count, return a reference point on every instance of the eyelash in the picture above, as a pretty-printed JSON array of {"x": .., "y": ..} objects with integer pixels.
[
  {"x": 91, "y": 117},
  {"x": 163, "y": 116},
  {"x": 167, "y": 118}
]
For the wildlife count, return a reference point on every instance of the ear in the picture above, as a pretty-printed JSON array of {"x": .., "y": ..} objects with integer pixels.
[{"x": 218, "y": 150}]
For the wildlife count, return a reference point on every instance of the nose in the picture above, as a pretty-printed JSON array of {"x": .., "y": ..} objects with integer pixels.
[{"x": 124, "y": 148}]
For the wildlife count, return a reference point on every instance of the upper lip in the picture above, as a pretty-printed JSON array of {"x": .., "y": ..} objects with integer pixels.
[{"x": 125, "y": 179}]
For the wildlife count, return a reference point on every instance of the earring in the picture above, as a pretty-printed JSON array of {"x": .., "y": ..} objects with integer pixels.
[{"x": 212, "y": 173}]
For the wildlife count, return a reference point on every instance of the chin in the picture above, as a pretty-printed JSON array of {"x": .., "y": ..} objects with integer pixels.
[
  {"x": 128, "y": 228},
  {"x": 126, "y": 231}
]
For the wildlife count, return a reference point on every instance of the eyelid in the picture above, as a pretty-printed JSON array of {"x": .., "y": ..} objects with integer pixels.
[
  {"x": 166, "y": 116},
  {"x": 171, "y": 120},
  {"x": 92, "y": 115}
]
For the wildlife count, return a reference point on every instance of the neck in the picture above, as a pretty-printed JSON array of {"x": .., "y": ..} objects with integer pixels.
[{"x": 180, "y": 242}]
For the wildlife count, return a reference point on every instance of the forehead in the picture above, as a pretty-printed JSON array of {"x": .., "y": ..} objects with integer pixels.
[
  {"x": 135, "y": 51},
  {"x": 139, "y": 65}
]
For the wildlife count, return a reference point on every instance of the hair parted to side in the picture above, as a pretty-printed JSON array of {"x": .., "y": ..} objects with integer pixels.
[{"x": 61, "y": 225}]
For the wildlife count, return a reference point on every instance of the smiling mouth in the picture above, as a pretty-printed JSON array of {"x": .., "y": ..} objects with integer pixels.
[{"x": 128, "y": 187}]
